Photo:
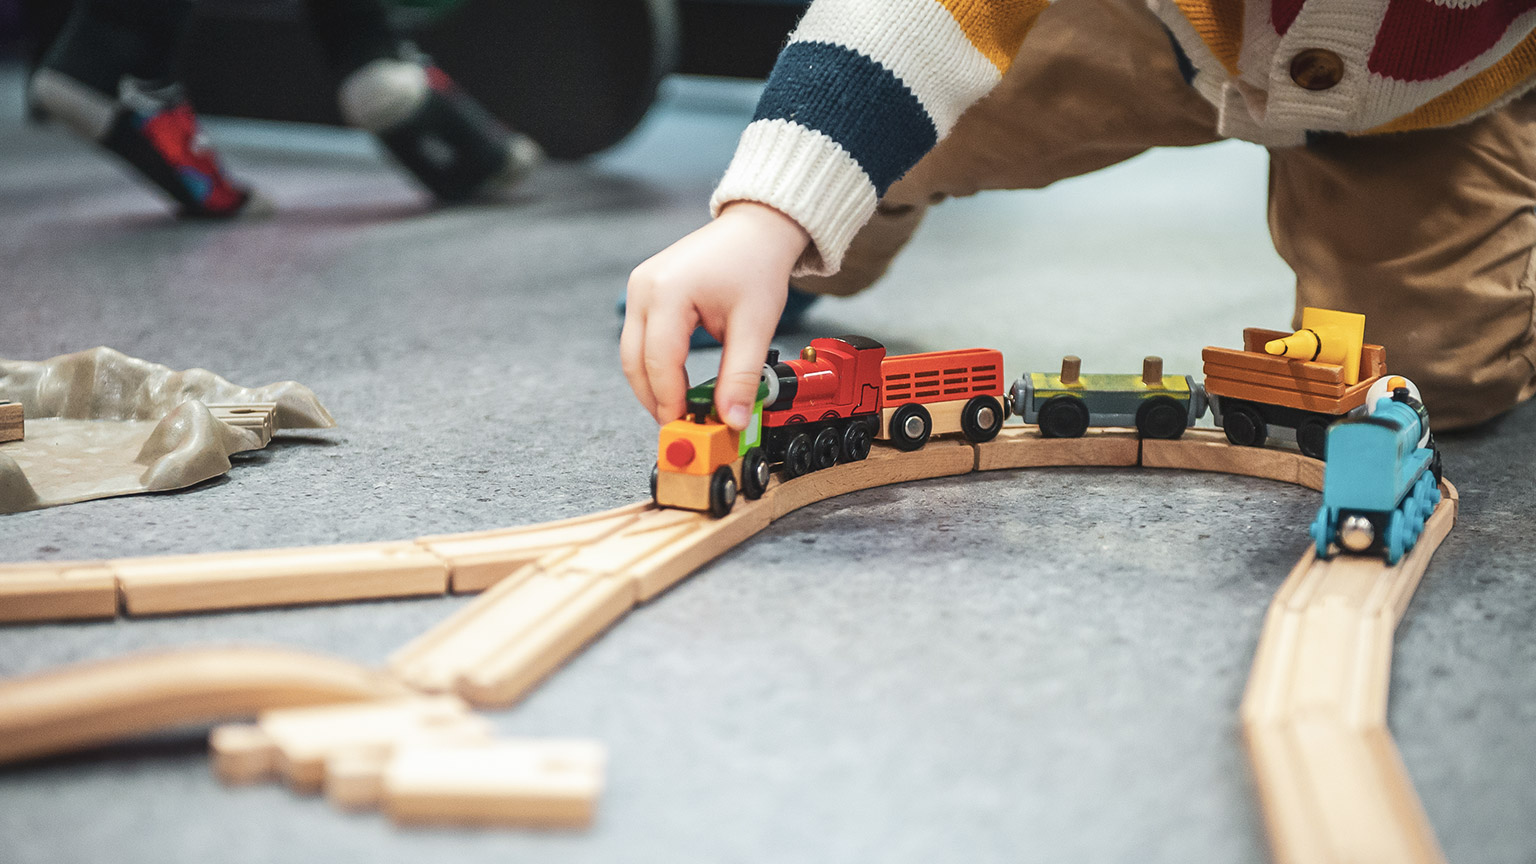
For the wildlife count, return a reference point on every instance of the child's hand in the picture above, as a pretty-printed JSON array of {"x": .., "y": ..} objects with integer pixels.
[{"x": 731, "y": 277}]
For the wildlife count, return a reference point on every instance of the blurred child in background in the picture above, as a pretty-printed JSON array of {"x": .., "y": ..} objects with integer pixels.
[{"x": 112, "y": 77}]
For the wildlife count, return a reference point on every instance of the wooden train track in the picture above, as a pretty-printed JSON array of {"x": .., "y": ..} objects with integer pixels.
[
  {"x": 358, "y": 734},
  {"x": 465, "y": 563},
  {"x": 94, "y": 703},
  {"x": 1330, "y": 780}
]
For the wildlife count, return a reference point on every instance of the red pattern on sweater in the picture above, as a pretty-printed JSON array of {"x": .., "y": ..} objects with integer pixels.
[
  {"x": 1421, "y": 40},
  {"x": 1282, "y": 13}
]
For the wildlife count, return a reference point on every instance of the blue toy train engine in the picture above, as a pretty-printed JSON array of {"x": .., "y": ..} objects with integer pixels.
[{"x": 1382, "y": 476}]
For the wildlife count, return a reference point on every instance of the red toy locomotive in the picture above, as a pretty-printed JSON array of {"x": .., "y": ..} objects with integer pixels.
[{"x": 828, "y": 405}]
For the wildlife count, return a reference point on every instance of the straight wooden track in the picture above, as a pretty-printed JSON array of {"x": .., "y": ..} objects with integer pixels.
[{"x": 1331, "y": 783}]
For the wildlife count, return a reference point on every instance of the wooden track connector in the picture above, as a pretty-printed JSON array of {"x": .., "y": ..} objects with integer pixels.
[{"x": 423, "y": 760}]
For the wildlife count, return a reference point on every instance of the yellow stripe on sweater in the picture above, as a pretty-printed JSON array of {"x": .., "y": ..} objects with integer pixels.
[
  {"x": 996, "y": 27},
  {"x": 1220, "y": 25},
  {"x": 1472, "y": 95}
]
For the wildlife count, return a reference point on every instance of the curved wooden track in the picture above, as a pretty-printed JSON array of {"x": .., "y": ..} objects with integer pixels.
[
  {"x": 94, "y": 703},
  {"x": 1332, "y": 785},
  {"x": 1329, "y": 776}
]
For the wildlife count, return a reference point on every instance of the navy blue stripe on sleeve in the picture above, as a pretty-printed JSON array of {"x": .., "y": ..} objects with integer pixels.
[{"x": 854, "y": 101}]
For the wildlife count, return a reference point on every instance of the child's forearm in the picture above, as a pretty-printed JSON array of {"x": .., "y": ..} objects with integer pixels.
[{"x": 864, "y": 89}]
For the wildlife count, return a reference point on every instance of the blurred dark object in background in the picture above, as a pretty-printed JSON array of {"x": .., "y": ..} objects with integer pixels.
[
  {"x": 10, "y": 26},
  {"x": 735, "y": 38},
  {"x": 575, "y": 75}
]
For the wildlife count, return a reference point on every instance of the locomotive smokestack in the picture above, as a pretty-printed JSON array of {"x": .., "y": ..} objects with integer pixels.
[{"x": 1152, "y": 371}]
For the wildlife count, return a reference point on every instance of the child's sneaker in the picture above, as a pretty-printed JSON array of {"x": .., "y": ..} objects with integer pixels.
[
  {"x": 155, "y": 130},
  {"x": 437, "y": 131}
]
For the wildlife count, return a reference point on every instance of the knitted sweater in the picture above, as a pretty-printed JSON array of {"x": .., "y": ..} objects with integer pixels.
[{"x": 866, "y": 87}]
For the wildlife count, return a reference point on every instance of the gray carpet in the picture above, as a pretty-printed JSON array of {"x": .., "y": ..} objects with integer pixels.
[{"x": 1039, "y": 666}]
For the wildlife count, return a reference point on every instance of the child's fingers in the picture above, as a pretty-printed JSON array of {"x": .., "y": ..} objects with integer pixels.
[
  {"x": 741, "y": 366},
  {"x": 632, "y": 356},
  {"x": 666, "y": 348}
]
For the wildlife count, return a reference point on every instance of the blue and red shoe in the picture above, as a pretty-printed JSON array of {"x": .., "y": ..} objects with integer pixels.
[{"x": 156, "y": 131}]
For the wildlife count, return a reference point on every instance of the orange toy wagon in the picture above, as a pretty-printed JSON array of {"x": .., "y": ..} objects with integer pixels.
[{"x": 1304, "y": 380}]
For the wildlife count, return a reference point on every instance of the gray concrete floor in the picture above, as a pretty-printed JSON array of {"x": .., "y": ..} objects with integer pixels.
[{"x": 1038, "y": 666}]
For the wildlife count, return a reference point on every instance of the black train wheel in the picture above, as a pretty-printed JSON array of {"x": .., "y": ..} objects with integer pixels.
[
  {"x": 825, "y": 449},
  {"x": 797, "y": 456},
  {"x": 856, "y": 442},
  {"x": 754, "y": 474},
  {"x": 1160, "y": 417},
  {"x": 722, "y": 491},
  {"x": 655, "y": 472},
  {"x": 911, "y": 425},
  {"x": 981, "y": 419},
  {"x": 1063, "y": 417},
  {"x": 1243, "y": 423},
  {"x": 1312, "y": 436}
]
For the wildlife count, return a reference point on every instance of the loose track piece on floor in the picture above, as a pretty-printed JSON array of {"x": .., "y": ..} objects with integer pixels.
[
  {"x": 422, "y": 759},
  {"x": 294, "y": 744},
  {"x": 95, "y": 703},
  {"x": 548, "y": 783}
]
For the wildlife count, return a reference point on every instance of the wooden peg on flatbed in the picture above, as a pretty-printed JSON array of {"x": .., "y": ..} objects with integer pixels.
[{"x": 1071, "y": 370}]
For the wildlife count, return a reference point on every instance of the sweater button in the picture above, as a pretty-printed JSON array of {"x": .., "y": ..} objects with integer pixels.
[{"x": 1317, "y": 69}]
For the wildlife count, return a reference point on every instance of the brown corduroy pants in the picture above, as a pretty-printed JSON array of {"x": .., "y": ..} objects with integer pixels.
[{"x": 1429, "y": 234}]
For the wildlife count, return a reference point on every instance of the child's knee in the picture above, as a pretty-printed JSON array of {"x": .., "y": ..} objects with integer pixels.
[{"x": 1460, "y": 394}]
